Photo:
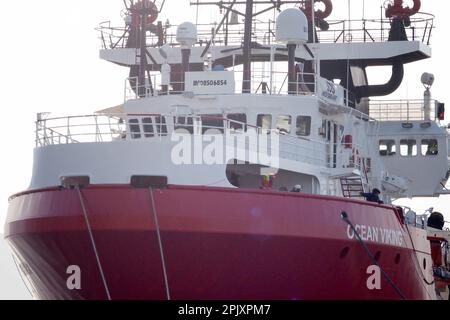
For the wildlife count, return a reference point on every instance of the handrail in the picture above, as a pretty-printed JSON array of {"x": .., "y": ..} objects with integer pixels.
[
  {"x": 129, "y": 127},
  {"x": 362, "y": 30},
  {"x": 401, "y": 110},
  {"x": 276, "y": 82}
]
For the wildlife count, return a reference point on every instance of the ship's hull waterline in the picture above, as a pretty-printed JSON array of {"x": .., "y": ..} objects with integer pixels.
[{"x": 213, "y": 243}]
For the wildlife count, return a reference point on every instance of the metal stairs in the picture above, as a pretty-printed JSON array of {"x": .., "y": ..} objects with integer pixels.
[{"x": 352, "y": 186}]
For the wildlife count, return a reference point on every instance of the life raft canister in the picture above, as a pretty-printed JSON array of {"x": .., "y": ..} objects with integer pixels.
[
  {"x": 149, "y": 7},
  {"x": 398, "y": 10}
]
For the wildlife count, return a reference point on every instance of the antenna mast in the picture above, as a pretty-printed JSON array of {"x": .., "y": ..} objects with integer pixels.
[{"x": 249, "y": 15}]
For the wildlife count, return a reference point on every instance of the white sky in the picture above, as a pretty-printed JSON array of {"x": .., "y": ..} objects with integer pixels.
[{"x": 49, "y": 62}]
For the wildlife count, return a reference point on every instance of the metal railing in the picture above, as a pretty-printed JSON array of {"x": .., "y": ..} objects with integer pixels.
[
  {"x": 79, "y": 129},
  {"x": 376, "y": 30},
  {"x": 134, "y": 127},
  {"x": 401, "y": 110},
  {"x": 347, "y": 31},
  {"x": 272, "y": 83}
]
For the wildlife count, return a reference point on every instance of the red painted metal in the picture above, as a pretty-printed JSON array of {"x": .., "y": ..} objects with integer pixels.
[
  {"x": 397, "y": 9},
  {"x": 219, "y": 243},
  {"x": 147, "y": 5},
  {"x": 319, "y": 14}
]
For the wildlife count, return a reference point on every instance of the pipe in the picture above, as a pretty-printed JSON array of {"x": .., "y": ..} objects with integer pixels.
[
  {"x": 385, "y": 89},
  {"x": 292, "y": 78},
  {"x": 185, "y": 56}
]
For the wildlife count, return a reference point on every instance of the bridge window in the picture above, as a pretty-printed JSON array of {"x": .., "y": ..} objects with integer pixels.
[
  {"x": 212, "y": 121},
  {"x": 387, "y": 148},
  {"x": 238, "y": 121},
  {"x": 284, "y": 124},
  {"x": 184, "y": 123},
  {"x": 408, "y": 148},
  {"x": 147, "y": 125},
  {"x": 135, "y": 129},
  {"x": 430, "y": 147},
  {"x": 264, "y": 121},
  {"x": 303, "y": 126},
  {"x": 161, "y": 125}
]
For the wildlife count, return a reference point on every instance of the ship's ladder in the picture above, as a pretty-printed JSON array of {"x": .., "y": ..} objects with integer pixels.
[{"x": 352, "y": 186}]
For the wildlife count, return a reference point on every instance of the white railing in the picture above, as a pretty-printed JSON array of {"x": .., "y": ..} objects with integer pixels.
[
  {"x": 79, "y": 129},
  {"x": 126, "y": 127},
  {"x": 347, "y": 31},
  {"x": 401, "y": 110},
  {"x": 272, "y": 83}
]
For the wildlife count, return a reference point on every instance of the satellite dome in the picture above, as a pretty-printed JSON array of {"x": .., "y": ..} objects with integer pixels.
[
  {"x": 292, "y": 27},
  {"x": 187, "y": 34}
]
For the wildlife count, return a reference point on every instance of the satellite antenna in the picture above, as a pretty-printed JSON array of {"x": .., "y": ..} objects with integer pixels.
[{"x": 292, "y": 29}]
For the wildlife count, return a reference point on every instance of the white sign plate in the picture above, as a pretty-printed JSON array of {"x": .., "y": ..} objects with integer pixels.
[{"x": 210, "y": 82}]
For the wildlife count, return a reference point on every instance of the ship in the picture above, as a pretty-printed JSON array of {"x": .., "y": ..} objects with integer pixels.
[{"x": 241, "y": 164}]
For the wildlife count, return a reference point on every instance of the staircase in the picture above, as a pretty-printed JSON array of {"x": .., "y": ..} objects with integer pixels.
[{"x": 352, "y": 186}]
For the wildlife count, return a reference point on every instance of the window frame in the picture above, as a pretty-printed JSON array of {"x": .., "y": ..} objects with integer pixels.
[
  {"x": 289, "y": 123},
  {"x": 427, "y": 153},
  {"x": 233, "y": 118},
  {"x": 389, "y": 153},
  {"x": 408, "y": 145},
  {"x": 308, "y": 126}
]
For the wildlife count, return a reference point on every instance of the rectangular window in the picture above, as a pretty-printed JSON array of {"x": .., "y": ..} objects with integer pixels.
[
  {"x": 430, "y": 147},
  {"x": 303, "y": 126},
  {"x": 161, "y": 126},
  {"x": 284, "y": 124},
  {"x": 135, "y": 128},
  {"x": 387, "y": 148},
  {"x": 212, "y": 122},
  {"x": 329, "y": 130},
  {"x": 323, "y": 129},
  {"x": 238, "y": 121},
  {"x": 184, "y": 123},
  {"x": 408, "y": 148},
  {"x": 264, "y": 121},
  {"x": 147, "y": 125}
]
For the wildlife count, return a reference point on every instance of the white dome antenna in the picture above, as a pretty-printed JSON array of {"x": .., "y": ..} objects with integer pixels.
[
  {"x": 292, "y": 27},
  {"x": 187, "y": 34}
]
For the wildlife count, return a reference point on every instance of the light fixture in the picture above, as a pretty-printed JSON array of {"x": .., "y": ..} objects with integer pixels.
[{"x": 407, "y": 125}]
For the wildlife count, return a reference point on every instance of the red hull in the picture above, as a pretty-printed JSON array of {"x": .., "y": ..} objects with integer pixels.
[{"x": 218, "y": 244}]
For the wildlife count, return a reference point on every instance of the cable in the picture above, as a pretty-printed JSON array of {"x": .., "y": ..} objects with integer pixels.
[
  {"x": 93, "y": 241},
  {"x": 19, "y": 270},
  {"x": 344, "y": 217},
  {"x": 161, "y": 250}
]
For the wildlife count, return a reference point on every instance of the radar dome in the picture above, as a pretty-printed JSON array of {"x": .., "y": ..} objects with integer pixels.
[
  {"x": 292, "y": 27},
  {"x": 187, "y": 34}
]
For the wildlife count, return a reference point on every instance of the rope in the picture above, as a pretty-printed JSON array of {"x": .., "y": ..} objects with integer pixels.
[
  {"x": 344, "y": 217},
  {"x": 161, "y": 250},
  {"x": 93, "y": 242},
  {"x": 26, "y": 283}
]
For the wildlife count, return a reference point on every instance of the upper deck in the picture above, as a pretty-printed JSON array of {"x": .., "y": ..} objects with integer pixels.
[{"x": 365, "y": 39}]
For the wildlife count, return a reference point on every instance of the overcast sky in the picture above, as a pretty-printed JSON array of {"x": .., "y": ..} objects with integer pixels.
[{"x": 49, "y": 62}]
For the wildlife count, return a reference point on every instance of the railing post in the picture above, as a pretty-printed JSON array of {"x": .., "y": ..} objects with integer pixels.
[
  {"x": 364, "y": 30},
  {"x": 37, "y": 133}
]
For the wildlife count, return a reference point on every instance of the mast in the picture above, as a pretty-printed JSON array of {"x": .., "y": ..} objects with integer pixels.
[
  {"x": 253, "y": 8},
  {"x": 247, "y": 65},
  {"x": 143, "y": 51}
]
